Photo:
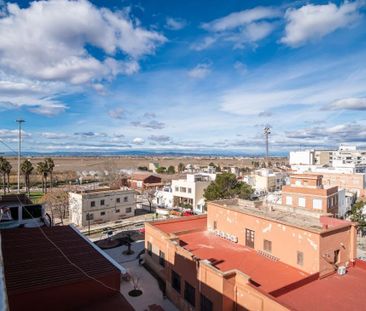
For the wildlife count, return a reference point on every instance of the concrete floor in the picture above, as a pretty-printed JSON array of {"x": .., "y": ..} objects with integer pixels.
[{"x": 147, "y": 283}]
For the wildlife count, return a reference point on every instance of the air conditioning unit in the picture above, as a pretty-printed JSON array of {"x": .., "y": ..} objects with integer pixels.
[{"x": 341, "y": 270}]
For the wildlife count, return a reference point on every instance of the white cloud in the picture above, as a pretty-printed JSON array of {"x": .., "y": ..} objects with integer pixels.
[
  {"x": 175, "y": 23},
  {"x": 54, "y": 135},
  {"x": 48, "y": 109},
  {"x": 138, "y": 141},
  {"x": 351, "y": 103},
  {"x": 240, "y": 28},
  {"x": 237, "y": 19},
  {"x": 200, "y": 71},
  {"x": 312, "y": 22},
  {"x": 205, "y": 43},
  {"x": 47, "y": 40}
]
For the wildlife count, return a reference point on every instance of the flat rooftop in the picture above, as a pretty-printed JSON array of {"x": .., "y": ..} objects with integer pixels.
[
  {"x": 182, "y": 224},
  {"x": 307, "y": 220},
  {"x": 225, "y": 256},
  {"x": 335, "y": 292},
  {"x": 102, "y": 190}
]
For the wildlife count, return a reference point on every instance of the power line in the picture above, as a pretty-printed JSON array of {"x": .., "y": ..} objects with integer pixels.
[
  {"x": 64, "y": 255},
  {"x": 6, "y": 145}
]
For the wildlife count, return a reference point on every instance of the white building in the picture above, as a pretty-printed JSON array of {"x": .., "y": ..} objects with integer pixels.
[
  {"x": 305, "y": 157},
  {"x": 266, "y": 180},
  {"x": 164, "y": 197},
  {"x": 101, "y": 205},
  {"x": 153, "y": 167},
  {"x": 190, "y": 191}
]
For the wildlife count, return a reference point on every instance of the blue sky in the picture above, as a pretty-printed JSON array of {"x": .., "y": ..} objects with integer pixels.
[{"x": 182, "y": 75}]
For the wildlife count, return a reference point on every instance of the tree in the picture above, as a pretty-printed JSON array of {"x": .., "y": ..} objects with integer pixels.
[
  {"x": 7, "y": 168},
  {"x": 50, "y": 166},
  {"x": 226, "y": 186},
  {"x": 3, "y": 172},
  {"x": 161, "y": 170},
  {"x": 42, "y": 170},
  {"x": 149, "y": 195},
  {"x": 27, "y": 169},
  {"x": 181, "y": 167},
  {"x": 171, "y": 170},
  {"x": 358, "y": 216},
  {"x": 57, "y": 203}
]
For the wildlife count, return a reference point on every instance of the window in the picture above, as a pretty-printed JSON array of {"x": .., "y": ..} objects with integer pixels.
[
  {"x": 300, "y": 258},
  {"x": 190, "y": 294},
  {"x": 288, "y": 200},
  {"x": 302, "y": 202},
  {"x": 249, "y": 238},
  {"x": 128, "y": 209},
  {"x": 183, "y": 189},
  {"x": 125, "y": 199},
  {"x": 117, "y": 210},
  {"x": 189, "y": 190},
  {"x": 101, "y": 202},
  {"x": 214, "y": 225},
  {"x": 31, "y": 211},
  {"x": 206, "y": 304},
  {"x": 317, "y": 204},
  {"x": 102, "y": 213},
  {"x": 92, "y": 204},
  {"x": 176, "y": 281},
  {"x": 118, "y": 200},
  {"x": 149, "y": 248},
  {"x": 267, "y": 246},
  {"x": 162, "y": 258},
  {"x": 176, "y": 189}
]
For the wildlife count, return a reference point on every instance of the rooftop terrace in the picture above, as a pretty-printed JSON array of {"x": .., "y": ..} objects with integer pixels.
[{"x": 296, "y": 217}]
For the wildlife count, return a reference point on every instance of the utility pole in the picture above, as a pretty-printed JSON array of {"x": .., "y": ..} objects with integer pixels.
[
  {"x": 267, "y": 131},
  {"x": 19, "y": 121}
]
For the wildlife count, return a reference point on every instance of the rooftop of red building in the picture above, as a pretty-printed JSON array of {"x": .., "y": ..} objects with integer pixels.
[
  {"x": 33, "y": 264},
  {"x": 335, "y": 292},
  {"x": 225, "y": 256},
  {"x": 183, "y": 224}
]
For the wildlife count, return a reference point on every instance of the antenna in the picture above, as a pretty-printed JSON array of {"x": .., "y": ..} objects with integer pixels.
[
  {"x": 267, "y": 131},
  {"x": 19, "y": 121}
]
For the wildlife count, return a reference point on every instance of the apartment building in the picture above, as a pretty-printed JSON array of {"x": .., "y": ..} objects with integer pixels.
[
  {"x": 307, "y": 191},
  {"x": 244, "y": 256},
  {"x": 266, "y": 180},
  {"x": 350, "y": 157},
  {"x": 189, "y": 191},
  {"x": 101, "y": 205},
  {"x": 164, "y": 197}
]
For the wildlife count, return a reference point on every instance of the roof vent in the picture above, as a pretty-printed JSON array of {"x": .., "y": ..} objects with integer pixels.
[{"x": 341, "y": 270}]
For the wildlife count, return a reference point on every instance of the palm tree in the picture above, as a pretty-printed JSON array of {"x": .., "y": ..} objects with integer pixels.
[
  {"x": 7, "y": 167},
  {"x": 42, "y": 170},
  {"x": 50, "y": 166},
  {"x": 27, "y": 169},
  {"x": 3, "y": 172}
]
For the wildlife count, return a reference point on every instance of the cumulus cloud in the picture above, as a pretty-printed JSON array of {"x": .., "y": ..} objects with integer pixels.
[
  {"x": 240, "y": 28},
  {"x": 352, "y": 103},
  {"x": 312, "y": 22},
  {"x": 175, "y": 23},
  {"x": 200, "y": 71},
  {"x": 138, "y": 141},
  {"x": 153, "y": 124},
  {"x": 117, "y": 113},
  {"x": 55, "y": 34}
]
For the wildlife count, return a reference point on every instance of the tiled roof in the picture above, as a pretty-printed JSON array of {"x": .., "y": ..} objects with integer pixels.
[{"x": 31, "y": 261}]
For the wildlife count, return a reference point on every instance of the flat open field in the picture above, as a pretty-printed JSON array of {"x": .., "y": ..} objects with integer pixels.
[{"x": 67, "y": 164}]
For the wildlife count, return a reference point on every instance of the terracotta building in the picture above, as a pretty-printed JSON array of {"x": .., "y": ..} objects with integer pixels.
[
  {"x": 308, "y": 191},
  {"x": 141, "y": 181},
  {"x": 245, "y": 256}
]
